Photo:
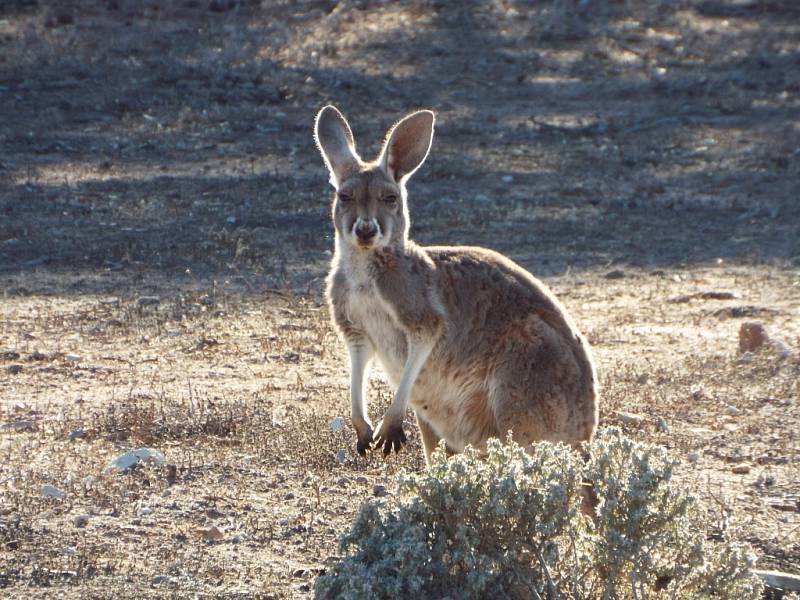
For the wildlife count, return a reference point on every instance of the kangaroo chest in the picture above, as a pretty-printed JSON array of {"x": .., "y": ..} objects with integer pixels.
[{"x": 370, "y": 312}]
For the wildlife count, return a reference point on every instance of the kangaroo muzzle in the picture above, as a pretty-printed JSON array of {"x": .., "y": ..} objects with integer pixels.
[{"x": 365, "y": 230}]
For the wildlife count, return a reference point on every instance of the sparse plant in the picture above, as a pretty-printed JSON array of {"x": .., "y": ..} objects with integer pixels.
[{"x": 508, "y": 524}]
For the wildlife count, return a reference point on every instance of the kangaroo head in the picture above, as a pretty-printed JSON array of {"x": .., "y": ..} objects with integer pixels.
[{"x": 369, "y": 206}]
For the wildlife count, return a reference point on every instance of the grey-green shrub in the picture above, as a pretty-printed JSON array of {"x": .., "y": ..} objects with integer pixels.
[{"x": 508, "y": 524}]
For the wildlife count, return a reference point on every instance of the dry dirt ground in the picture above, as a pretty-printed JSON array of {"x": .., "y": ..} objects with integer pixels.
[{"x": 164, "y": 236}]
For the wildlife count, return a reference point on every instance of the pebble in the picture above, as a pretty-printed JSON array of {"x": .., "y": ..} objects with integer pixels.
[
  {"x": 337, "y": 424},
  {"x": 164, "y": 579},
  {"x": 20, "y": 425},
  {"x": 662, "y": 425},
  {"x": 127, "y": 462},
  {"x": 78, "y": 434},
  {"x": 212, "y": 534},
  {"x": 379, "y": 491},
  {"x": 80, "y": 520},
  {"x": 752, "y": 337},
  {"x": 740, "y": 469},
  {"x": 14, "y": 369},
  {"x": 630, "y": 418},
  {"x": 693, "y": 457},
  {"x": 617, "y": 274},
  {"x": 50, "y": 491},
  {"x": 341, "y": 457},
  {"x": 361, "y": 480},
  {"x": 148, "y": 301},
  {"x": 732, "y": 410},
  {"x": 73, "y": 358}
]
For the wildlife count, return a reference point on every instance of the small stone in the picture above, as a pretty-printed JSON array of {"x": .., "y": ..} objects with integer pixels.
[
  {"x": 337, "y": 424},
  {"x": 20, "y": 425},
  {"x": 342, "y": 482},
  {"x": 127, "y": 462},
  {"x": 740, "y": 469},
  {"x": 81, "y": 520},
  {"x": 361, "y": 480},
  {"x": 164, "y": 580},
  {"x": 630, "y": 418},
  {"x": 662, "y": 425},
  {"x": 212, "y": 534},
  {"x": 148, "y": 301},
  {"x": 341, "y": 457},
  {"x": 50, "y": 491},
  {"x": 693, "y": 457},
  {"x": 77, "y": 434},
  {"x": 752, "y": 337},
  {"x": 14, "y": 369},
  {"x": 231, "y": 220},
  {"x": 617, "y": 274},
  {"x": 72, "y": 358},
  {"x": 145, "y": 510},
  {"x": 278, "y": 416},
  {"x": 781, "y": 348},
  {"x": 732, "y": 410},
  {"x": 379, "y": 491}
]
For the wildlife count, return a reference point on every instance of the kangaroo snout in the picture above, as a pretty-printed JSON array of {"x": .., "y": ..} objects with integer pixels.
[{"x": 365, "y": 230}]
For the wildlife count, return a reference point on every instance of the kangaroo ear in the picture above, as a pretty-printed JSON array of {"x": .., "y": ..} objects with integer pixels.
[
  {"x": 335, "y": 142},
  {"x": 407, "y": 144}
]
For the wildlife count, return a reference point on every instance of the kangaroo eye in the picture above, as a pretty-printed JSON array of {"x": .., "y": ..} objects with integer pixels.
[
  {"x": 389, "y": 198},
  {"x": 345, "y": 196}
]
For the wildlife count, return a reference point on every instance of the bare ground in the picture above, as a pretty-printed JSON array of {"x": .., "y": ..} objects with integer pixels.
[{"x": 164, "y": 233}]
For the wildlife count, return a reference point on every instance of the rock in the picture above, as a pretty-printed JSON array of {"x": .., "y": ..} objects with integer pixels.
[
  {"x": 144, "y": 511},
  {"x": 50, "y": 491},
  {"x": 278, "y": 416},
  {"x": 630, "y": 418},
  {"x": 164, "y": 580},
  {"x": 74, "y": 358},
  {"x": 14, "y": 369},
  {"x": 782, "y": 348},
  {"x": 693, "y": 457},
  {"x": 19, "y": 425},
  {"x": 127, "y": 462},
  {"x": 80, "y": 520},
  {"x": 617, "y": 274},
  {"x": 379, "y": 491},
  {"x": 341, "y": 457},
  {"x": 361, "y": 480},
  {"x": 732, "y": 410},
  {"x": 337, "y": 424},
  {"x": 212, "y": 534},
  {"x": 148, "y": 301},
  {"x": 343, "y": 482},
  {"x": 752, "y": 337},
  {"x": 662, "y": 425},
  {"x": 9, "y": 355},
  {"x": 78, "y": 434},
  {"x": 740, "y": 469},
  {"x": 171, "y": 474}
]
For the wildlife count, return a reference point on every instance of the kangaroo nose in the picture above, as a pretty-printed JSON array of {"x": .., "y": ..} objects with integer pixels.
[{"x": 366, "y": 230}]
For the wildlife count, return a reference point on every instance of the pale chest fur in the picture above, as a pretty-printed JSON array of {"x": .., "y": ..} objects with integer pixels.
[{"x": 369, "y": 312}]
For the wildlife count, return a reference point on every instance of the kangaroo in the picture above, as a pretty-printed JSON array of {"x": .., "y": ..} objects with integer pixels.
[{"x": 474, "y": 343}]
